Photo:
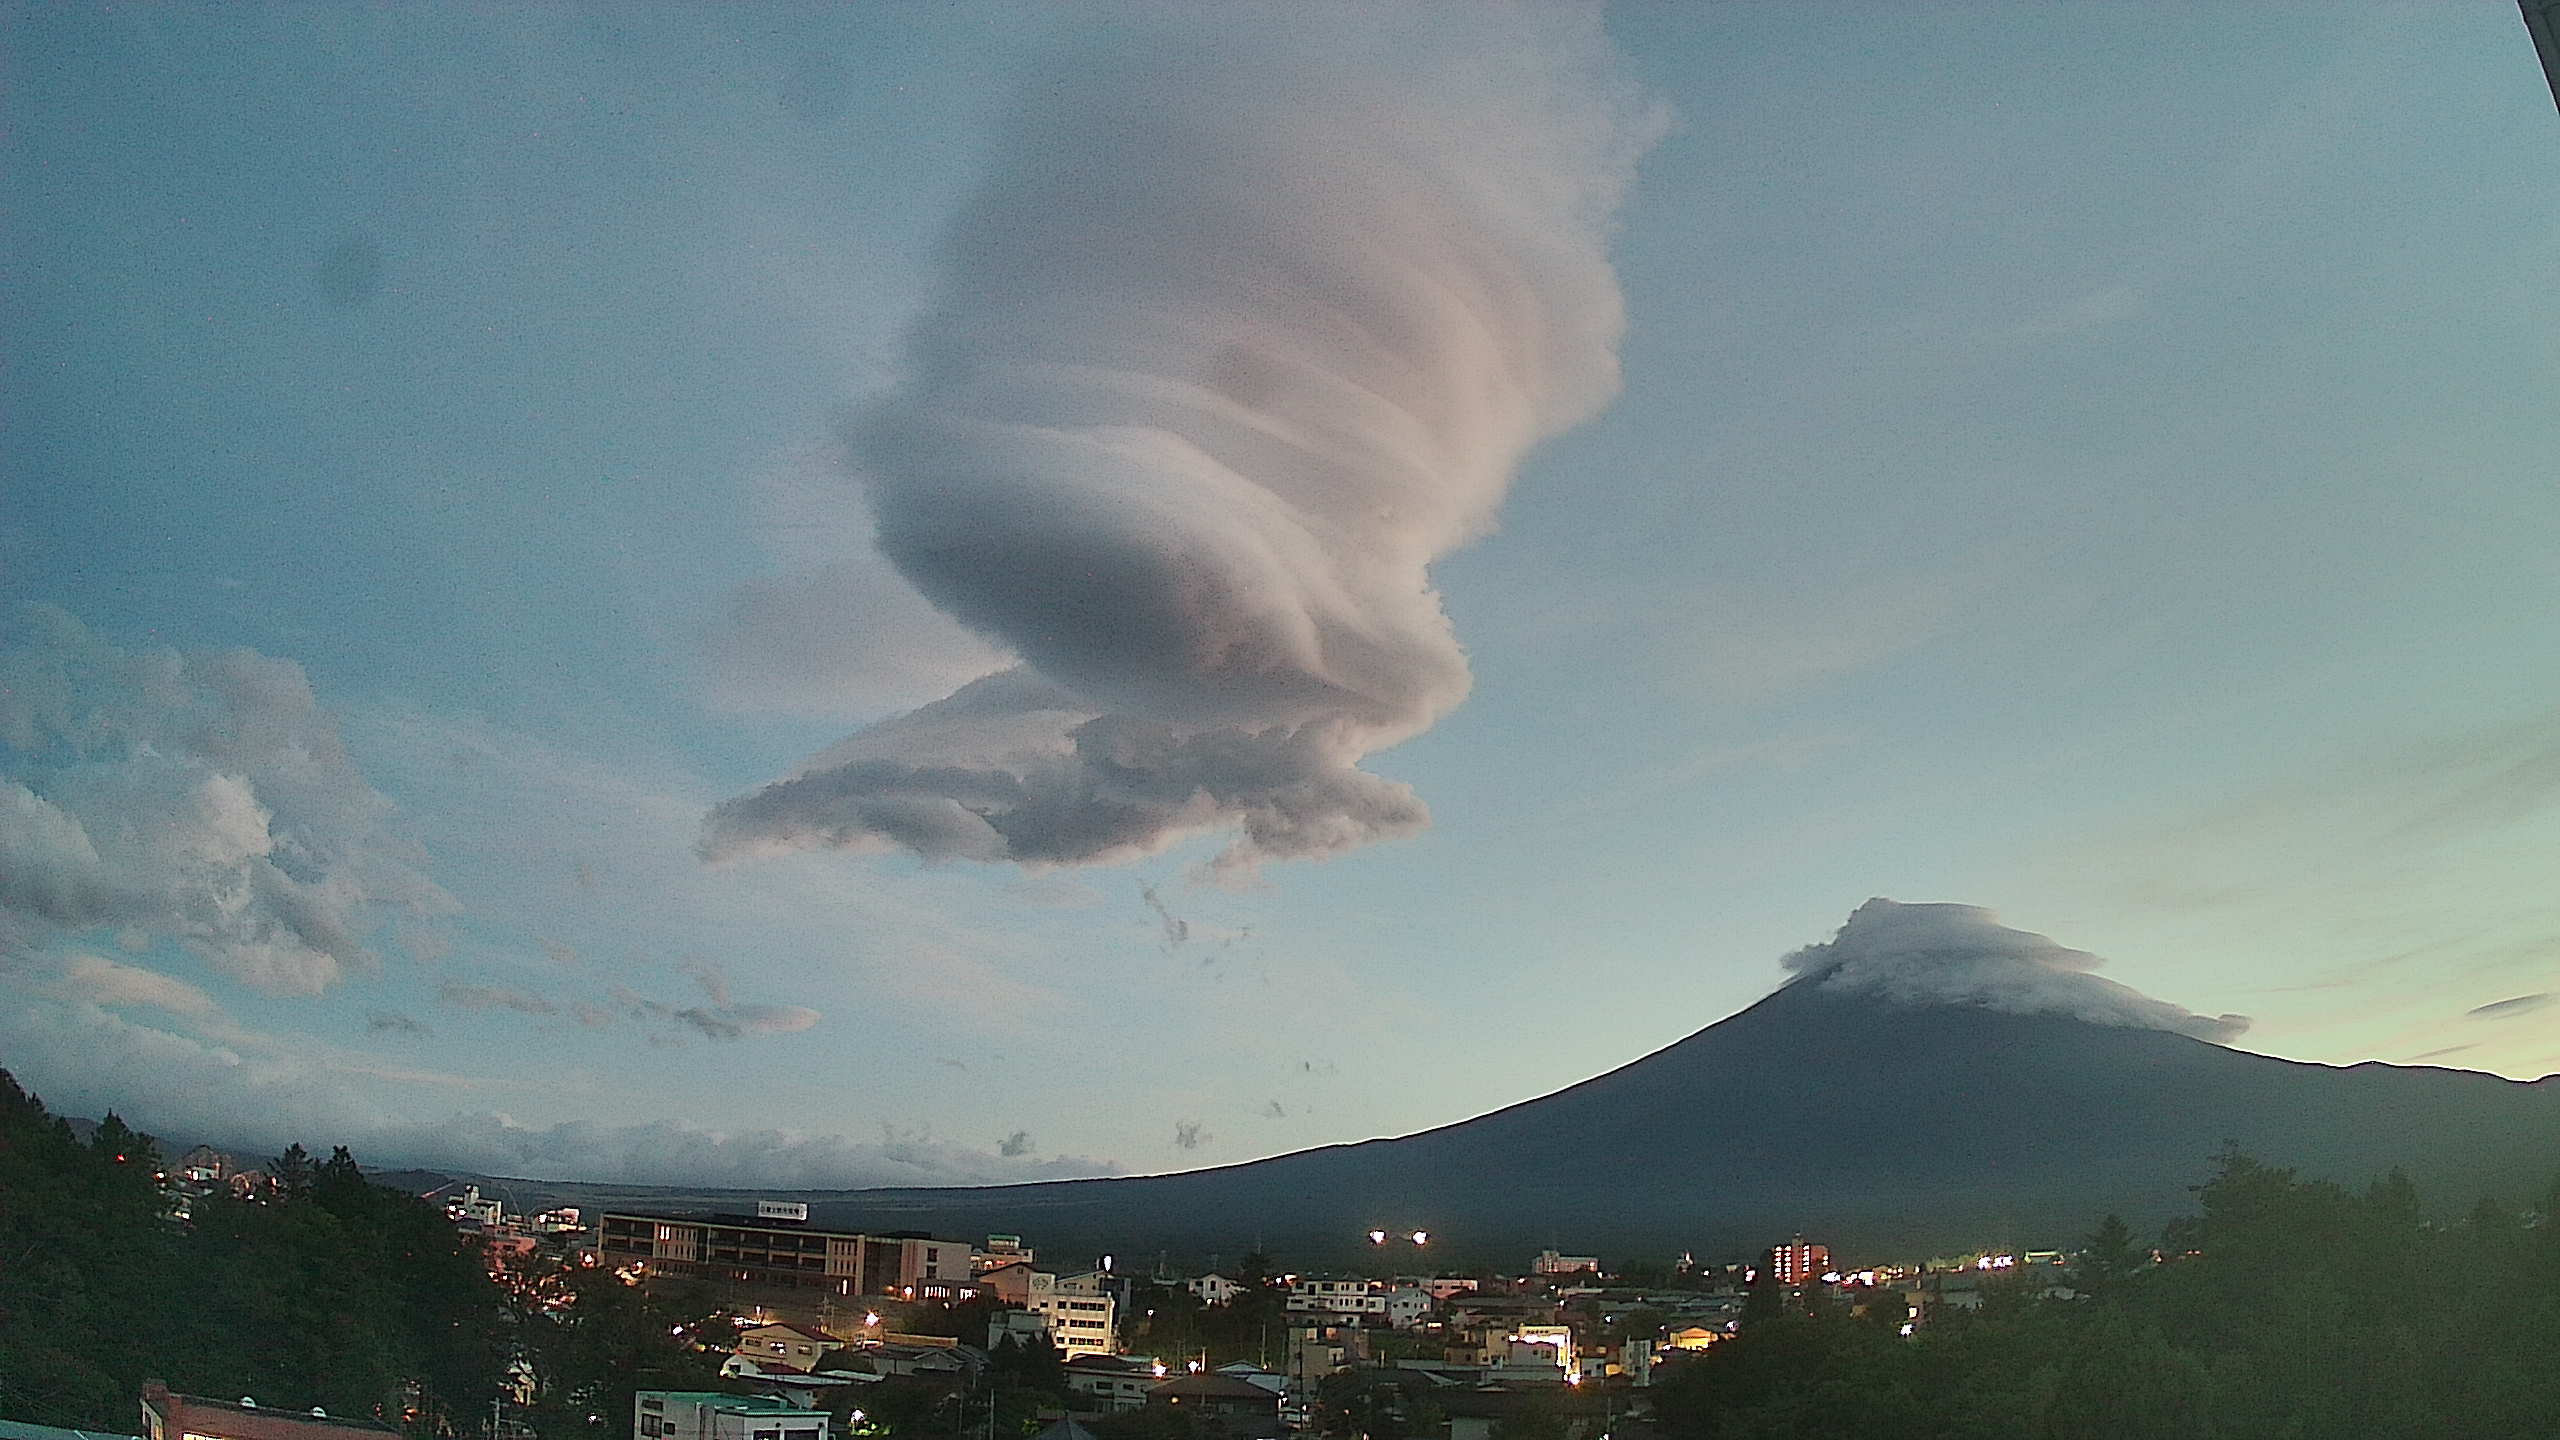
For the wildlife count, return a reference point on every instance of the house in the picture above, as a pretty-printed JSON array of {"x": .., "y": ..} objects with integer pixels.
[
  {"x": 710, "y": 1415},
  {"x": 1018, "y": 1327},
  {"x": 1213, "y": 1288},
  {"x": 1406, "y": 1306},
  {"x": 203, "y": 1165},
  {"x": 784, "y": 1346},
  {"x": 1115, "y": 1383},
  {"x": 169, "y": 1416},
  {"x": 1016, "y": 1283},
  {"x": 1252, "y": 1374},
  {"x": 1222, "y": 1403}
]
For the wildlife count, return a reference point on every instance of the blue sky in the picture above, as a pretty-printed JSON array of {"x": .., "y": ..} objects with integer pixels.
[{"x": 2092, "y": 463}]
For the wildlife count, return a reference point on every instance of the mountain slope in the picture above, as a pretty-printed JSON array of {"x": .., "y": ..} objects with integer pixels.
[{"x": 1868, "y": 1123}]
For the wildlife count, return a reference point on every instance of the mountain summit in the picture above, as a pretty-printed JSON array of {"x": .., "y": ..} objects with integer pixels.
[{"x": 1929, "y": 1079}]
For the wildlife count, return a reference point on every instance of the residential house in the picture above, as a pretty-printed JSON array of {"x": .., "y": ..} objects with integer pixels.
[
  {"x": 1406, "y": 1306},
  {"x": 1113, "y": 1383},
  {"x": 1222, "y": 1404},
  {"x": 1213, "y": 1288},
  {"x": 785, "y": 1346}
]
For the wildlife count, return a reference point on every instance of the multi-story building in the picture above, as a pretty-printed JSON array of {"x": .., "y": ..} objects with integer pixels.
[
  {"x": 1796, "y": 1262},
  {"x": 785, "y": 1254},
  {"x": 1551, "y": 1263},
  {"x": 710, "y": 1415},
  {"x": 1000, "y": 1251},
  {"x": 1080, "y": 1322},
  {"x": 1319, "y": 1295}
]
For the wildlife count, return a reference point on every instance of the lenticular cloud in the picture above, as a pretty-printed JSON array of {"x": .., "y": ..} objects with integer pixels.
[
  {"x": 1252, "y": 321},
  {"x": 1962, "y": 955}
]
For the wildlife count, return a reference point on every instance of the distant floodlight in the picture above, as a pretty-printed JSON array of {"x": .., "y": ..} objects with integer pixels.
[
  {"x": 1377, "y": 1237},
  {"x": 1421, "y": 1237}
]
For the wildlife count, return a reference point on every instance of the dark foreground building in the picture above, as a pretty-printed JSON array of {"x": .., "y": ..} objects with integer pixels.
[{"x": 167, "y": 1416}]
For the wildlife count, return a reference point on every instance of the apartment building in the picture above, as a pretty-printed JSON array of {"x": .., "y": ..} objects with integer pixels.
[
  {"x": 1314, "y": 1295},
  {"x": 737, "y": 1249},
  {"x": 1080, "y": 1322}
]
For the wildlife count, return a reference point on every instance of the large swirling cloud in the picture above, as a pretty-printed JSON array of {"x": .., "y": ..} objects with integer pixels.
[{"x": 1253, "y": 320}]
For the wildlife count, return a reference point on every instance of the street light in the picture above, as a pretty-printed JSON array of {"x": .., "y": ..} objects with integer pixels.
[
  {"x": 1421, "y": 1237},
  {"x": 1377, "y": 1237}
]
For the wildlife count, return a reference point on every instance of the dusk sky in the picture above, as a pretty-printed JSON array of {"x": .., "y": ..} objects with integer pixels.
[{"x": 1407, "y": 557}]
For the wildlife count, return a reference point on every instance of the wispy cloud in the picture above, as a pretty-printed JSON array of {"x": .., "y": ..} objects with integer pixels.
[
  {"x": 2509, "y": 1008},
  {"x": 493, "y": 997}
]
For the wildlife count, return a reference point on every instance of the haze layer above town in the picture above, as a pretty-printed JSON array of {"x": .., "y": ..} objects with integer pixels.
[{"x": 1479, "y": 533}]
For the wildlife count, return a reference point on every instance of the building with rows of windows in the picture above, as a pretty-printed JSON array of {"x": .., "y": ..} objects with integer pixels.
[{"x": 786, "y": 1254}]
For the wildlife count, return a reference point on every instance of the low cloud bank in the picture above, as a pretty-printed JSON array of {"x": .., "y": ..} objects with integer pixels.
[
  {"x": 1962, "y": 955},
  {"x": 669, "y": 1153},
  {"x": 203, "y": 797},
  {"x": 261, "y": 1093}
]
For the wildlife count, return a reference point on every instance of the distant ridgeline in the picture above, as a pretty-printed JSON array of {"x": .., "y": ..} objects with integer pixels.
[{"x": 1893, "y": 1128}]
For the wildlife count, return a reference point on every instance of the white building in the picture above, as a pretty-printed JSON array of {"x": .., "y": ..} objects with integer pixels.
[
  {"x": 1117, "y": 1382},
  {"x": 1213, "y": 1288},
  {"x": 1408, "y": 1306},
  {"x": 710, "y": 1415},
  {"x": 1080, "y": 1323},
  {"x": 1551, "y": 1263},
  {"x": 1310, "y": 1295}
]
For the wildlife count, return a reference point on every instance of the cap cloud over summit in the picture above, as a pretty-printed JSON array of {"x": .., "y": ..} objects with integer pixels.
[{"x": 1940, "y": 954}]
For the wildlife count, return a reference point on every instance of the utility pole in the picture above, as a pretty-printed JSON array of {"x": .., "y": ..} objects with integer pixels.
[{"x": 2542, "y": 21}]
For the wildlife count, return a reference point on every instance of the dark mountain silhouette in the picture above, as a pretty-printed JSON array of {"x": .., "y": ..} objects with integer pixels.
[
  {"x": 1882, "y": 1128},
  {"x": 1849, "y": 1105}
]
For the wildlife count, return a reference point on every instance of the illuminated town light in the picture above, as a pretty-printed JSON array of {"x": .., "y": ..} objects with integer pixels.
[
  {"x": 1421, "y": 1237},
  {"x": 1377, "y": 1237}
]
